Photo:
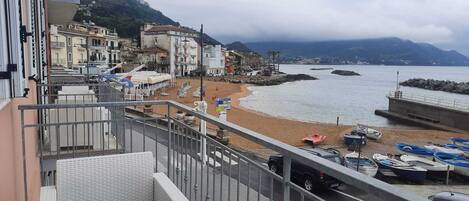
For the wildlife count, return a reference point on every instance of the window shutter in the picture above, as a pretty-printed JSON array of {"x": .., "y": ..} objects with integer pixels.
[
  {"x": 33, "y": 43},
  {"x": 18, "y": 81},
  {"x": 4, "y": 83},
  {"x": 42, "y": 34}
]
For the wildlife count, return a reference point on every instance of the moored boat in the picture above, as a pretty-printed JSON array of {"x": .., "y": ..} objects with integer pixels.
[
  {"x": 459, "y": 141},
  {"x": 351, "y": 139},
  {"x": 437, "y": 148},
  {"x": 415, "y": 150},
  {"x": 367, "y": 131},
  {"x": 460, "y": 163},
  {"x": 400, "y": 168},
  {"x": 364, "y": 164},
  {"x": 433, "y": 168}
]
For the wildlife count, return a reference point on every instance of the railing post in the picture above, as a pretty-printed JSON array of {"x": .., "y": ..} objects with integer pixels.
[
  {"x": 169, "y": 140},
  {"x": 25, "y": 176},
  {"x": 286, "y": 178}
]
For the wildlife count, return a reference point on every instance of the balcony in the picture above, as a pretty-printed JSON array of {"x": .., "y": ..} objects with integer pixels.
[
  {"x": 97, "y": 47},
  {"x": 201, "y": 167},
  {"x": 57, "y": 45}
]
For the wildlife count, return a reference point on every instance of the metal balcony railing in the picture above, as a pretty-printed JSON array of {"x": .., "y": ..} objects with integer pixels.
[
  {"x": 200, "y": 166},
  {"x": 57, "y": 44},
  {"x": 441, "y": 102}
]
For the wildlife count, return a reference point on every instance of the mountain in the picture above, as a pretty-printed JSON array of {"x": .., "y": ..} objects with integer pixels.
[
  {"x": 126, "y": 16},
  {"x": 238, "y": 46},
  {"x": 380, "y": 51}
]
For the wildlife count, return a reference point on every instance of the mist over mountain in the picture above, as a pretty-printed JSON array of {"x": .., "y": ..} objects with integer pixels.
[
  {"x": 380, "y": 51},
  {"x": 238, "y": 46}
]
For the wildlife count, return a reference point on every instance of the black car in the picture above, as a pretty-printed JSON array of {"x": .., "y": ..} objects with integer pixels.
[{"x": 305, "y": 176}]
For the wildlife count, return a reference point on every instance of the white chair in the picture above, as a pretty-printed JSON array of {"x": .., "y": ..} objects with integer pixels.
[{"x": 121, "y": 177}]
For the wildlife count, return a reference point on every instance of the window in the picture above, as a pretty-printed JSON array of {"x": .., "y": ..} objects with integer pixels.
[
  {"x": 11, "y": 52},
  {"x": 69, "y": 41},
  {"x": 4, "y": 84},
  {"x": 69, "y": 58}
]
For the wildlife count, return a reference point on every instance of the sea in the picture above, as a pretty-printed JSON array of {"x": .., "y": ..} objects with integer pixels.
[{"x": 351, "y": 98}]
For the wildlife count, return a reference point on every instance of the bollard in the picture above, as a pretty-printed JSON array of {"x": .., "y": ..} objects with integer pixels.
[{"x": 447, "y": 175}]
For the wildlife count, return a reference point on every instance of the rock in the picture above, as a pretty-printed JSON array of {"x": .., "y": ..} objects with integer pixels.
[
  {"x": 262, "y": 80},
  {"x": 438, "y": 85},
  {"x": 321, "y": 69},
  {"x": 345, "y": 73}
]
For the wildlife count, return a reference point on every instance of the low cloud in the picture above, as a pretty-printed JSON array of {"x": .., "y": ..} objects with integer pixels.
[{"x": 439, "y": 22}]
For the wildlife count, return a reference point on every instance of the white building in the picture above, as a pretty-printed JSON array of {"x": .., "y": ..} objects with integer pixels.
[
  {"x": 180, "y": 42},
  {"x": 214, "y": 60}
]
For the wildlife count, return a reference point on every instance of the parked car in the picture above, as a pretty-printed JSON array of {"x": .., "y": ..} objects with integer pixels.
[
  {"x": 305, "y": 176},
  {"x": 449, "y": 196}
]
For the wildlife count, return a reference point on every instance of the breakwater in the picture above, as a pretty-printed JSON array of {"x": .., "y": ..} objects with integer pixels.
[{"x": 438, "y": 85}]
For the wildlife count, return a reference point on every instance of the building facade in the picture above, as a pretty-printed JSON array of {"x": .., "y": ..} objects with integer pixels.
[
  {"x": 181, "y": 44},
  {"x": 214, "y": 60},
  {"x": 76, "y": 45}
]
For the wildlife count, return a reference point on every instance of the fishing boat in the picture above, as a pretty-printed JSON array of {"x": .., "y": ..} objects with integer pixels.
[
  {"x": 364, "y": 164},
  {"x": 433, "y": 168},
  {"x": 415, "y": 150},
  {"x": 400, "y": 168},
  {"x": 315, "y": 139},
  {"x": 353, "y": 139},
  {"x": 370, "y": 133},
  {"x": 438, "y": 148},
  {"x": 460, "y": 141},
  {"x": 460, "y": 163}
]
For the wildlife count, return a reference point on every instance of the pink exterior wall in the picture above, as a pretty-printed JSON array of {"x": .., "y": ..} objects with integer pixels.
[{"x": 11, "y": 155}]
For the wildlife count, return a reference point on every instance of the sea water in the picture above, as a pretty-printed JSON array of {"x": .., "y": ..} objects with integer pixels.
[{"x": 351, "y": 98}]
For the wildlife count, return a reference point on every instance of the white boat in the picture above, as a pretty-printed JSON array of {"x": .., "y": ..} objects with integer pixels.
[
  {"x": 364, "y": 164},
  {"x": 431, "y": 166},
  {"x": 436, "y": 148},
  {"x": 400, "y": 168},
  {"x": 367, "y": 131},
  {"x": 460, "y": 163}
]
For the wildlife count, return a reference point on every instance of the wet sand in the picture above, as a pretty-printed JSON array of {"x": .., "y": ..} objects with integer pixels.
[{"x": 292, "y": 131}]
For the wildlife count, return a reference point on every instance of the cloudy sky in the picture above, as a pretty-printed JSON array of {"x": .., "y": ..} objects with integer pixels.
[{"x": 444, "y": 23}]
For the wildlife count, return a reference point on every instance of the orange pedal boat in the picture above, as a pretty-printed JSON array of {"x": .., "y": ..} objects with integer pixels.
[{"x": 315, "y": 139}]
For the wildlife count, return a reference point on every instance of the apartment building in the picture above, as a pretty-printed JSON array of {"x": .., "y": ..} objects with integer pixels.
[
  {"x": 76, "y": 45},
  {"x": 214, "y": 60},
  {"x": 68, "y": 45},
  {"x": 23, "y": 59},
  {"x": 180, "y": 42}
]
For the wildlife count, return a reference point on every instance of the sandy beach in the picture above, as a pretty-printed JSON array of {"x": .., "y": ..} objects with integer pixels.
[{"x": 292, "y": 131}]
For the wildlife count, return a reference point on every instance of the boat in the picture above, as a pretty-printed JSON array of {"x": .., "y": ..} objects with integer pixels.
[
  {"x": 460, "y": 141},
  {"x": 315, "y": 139},
  {"x": 415, "y": 150},
  {"x": 400, "y": 168},
  {"x": 460, "y": 163},
  {"x": 438, "y": 148},
  {"x": 352, "y": 139},
  {"x": 433, "y": 168},
  {"x": 370, "y": 133},
  {"x": 364, "y": 164},
  {"x": 460, "y": 147}
]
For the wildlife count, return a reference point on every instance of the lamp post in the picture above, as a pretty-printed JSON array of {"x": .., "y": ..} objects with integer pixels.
[
  {"x": 202, "y": 105},
  {"x": 201, "y": 60}
]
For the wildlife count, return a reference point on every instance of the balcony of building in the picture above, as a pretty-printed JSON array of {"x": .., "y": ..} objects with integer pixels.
[
  {"x": 88, "y": 120},
  {"x": 57, "y": 45}
]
